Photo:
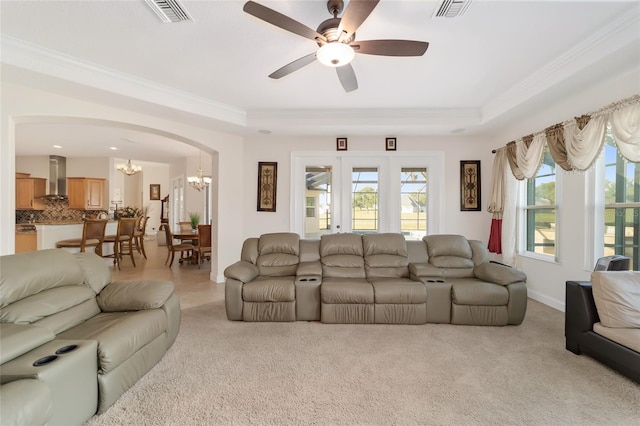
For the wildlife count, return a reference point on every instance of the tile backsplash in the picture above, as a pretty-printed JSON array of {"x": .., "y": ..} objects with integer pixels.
[{"x": 56, "y": 211}]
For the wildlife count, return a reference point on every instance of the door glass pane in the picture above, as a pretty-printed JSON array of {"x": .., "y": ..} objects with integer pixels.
[
  {"x": 317, "y": 201},
  {"x": 364, "y": 200},
  {"x": 413, "y": 202}
]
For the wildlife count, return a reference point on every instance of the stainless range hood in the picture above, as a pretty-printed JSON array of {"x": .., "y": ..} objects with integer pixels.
[{"x": 57, "y": 178}]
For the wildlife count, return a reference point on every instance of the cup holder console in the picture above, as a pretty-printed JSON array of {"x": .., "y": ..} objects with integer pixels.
[
  {"x": 435, "y": 281},
  {"x": 66, "y": 349},
  {"x": 45, "y": 360}
]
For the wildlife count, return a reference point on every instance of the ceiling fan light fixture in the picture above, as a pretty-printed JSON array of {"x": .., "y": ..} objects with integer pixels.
[{"x": 335, "y": 54}]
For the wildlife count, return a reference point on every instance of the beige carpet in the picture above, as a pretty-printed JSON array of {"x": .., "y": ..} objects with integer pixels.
[{"x": 221, "y": 372}]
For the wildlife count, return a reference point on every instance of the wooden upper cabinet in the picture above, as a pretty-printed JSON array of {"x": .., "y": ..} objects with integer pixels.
[
  {"x": 86, "y": 193},
  {"x": 27, "y": 192}
]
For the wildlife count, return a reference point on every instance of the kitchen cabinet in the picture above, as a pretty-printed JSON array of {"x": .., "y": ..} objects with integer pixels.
[
  {"x": 26, "y": 242},
  {"x": 86, "y": 193},
  {"x": 27, "y": 192}
]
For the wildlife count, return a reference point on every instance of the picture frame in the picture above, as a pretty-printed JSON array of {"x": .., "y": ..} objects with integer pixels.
[
  {"x": 470, "y": 186},
  {"x": 341, "y": 144},
  {"x": 267, "y": 185},
  {"x": 390, "y": 144},
  {"x": 154, "y": 191}
]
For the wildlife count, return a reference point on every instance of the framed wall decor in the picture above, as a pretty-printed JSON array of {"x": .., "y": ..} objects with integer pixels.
[
  {"x": 341, "y": 144},
  {"x": 154, "y": 191},
  {"x": 390, "y": 144},
  {"x": 267, "y": 183},
  {"x": 470, "y": 186}
]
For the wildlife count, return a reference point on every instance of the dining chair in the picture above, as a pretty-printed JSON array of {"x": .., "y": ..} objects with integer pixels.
[
  {"x": 185, "y": 227},
  {"x": 204, "y": 243},
  {"x": 172, "y": 247},
  {"x": 138, "y": 235},
  {"x": 93, "y": 232},
  {"x": 122, "y": 240}
]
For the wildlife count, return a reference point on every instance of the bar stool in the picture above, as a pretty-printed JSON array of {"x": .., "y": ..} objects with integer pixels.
[
  {"x": 122, "y": 240},
  {"x": 92, "y": 236}
]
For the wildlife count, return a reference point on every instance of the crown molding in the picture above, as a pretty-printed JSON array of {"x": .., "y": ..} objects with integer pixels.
[
  {"x": 617, "y": 35},
  {"x": 35, "y": 58}
]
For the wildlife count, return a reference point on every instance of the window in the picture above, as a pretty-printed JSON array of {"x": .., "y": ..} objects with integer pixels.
[
  {"x": 311, "y": 207},
  {"x": 413, "y": 202},
  {"x": 364, "y": 200},
  {"x": 317, "y": 208},
  {"x": 539, "y": 209},
  {"x": 621, "y": 205}
]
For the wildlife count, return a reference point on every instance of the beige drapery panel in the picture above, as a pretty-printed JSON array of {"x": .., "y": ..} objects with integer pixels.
[
  {"x": 513, "y": 161},
  {"x": 557, "y": 147},
  {"x": 529, "y": 151},
  {"x": 496, "y": 194},
  {"x": 584, "y": 140},
  {"x": 625, "y": 124}
]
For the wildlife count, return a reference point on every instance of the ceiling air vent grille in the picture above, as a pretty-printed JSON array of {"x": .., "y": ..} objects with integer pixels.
[
  {"x": 169, "y": 10},
  {"x": 452, "y": 8}
]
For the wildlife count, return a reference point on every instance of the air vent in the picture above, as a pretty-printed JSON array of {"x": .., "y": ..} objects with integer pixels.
[
  {"x": 452, "y": 8},
  {"x": 169, "y": 10}
]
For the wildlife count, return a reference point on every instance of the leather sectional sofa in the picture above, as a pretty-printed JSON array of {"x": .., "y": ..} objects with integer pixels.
[
  {"x": 615, "y": 345},
  {"x": 72, "y": 341},
  {"x": 373, "y": 278}
]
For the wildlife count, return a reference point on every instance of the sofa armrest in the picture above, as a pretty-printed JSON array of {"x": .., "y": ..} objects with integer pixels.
[
  {"x": 309, "y": 269},
  {"x": 242, "y": 271},
  {"x": 421, "y": 270},
  {"x": 498, "y": 274},
  {"x": 18, "y": 339},
  {"x": 25, "y": 402},
  {"x": 580, "y": 313},
  {"x": 134, "y": 295}
]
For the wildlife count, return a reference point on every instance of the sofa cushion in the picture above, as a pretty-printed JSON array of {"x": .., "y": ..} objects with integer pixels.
[
  {"x": 480, "y": 293},
  {"x": 385, "y": 255},
  {"x": 341, "y": 256},
  {"x": 348, "y": 290},
  {"x": 398, "y": 290},
  {"x": 449, "y": 251},
  {"x": 617, "y": 298},
  {"x": 96, "y": 273},
  {"x": 119, "y": 334},
  {"x": 279, "y": 242},
  {"x": 46, "y": 303},
  {"x": 21, "y": 279},
  {"x": 18, "y": 339},
  {"x": 270, "y": 289},
  {"x": 629, "y": 337},
  {"x": 278, "y": 254}
]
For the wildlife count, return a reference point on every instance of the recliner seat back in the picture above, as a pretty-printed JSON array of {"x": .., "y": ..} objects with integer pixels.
[
  {"x": 342, "y": 256},
  {"x": 385, "y": 256},
  {"x": 278, "y": 254}
]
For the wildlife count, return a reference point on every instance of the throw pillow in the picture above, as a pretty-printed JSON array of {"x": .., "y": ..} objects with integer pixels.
[{"x": 617, "y": 298}]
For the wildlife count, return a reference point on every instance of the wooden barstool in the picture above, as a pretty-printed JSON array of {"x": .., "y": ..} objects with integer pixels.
[
  {"x": 122, "y": 240},
  {"x": 92, "y": 236}
]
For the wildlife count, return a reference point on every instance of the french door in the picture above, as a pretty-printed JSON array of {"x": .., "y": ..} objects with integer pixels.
[{"x": 367, "y": 193}]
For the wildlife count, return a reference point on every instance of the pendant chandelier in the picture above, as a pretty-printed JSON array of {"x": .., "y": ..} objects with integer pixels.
[
  {"x": 128, "y": 168},
  {"x": 199, "y": 181}
]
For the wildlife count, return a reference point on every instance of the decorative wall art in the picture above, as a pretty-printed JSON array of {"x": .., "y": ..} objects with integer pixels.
[
  {"x": 267, "y": 182},
  {"x": 154, "y": 191},
  {"x": 341, "y": 144},
  {"x": 470, "y": 186},
  {"x": 390, "y": 144}
]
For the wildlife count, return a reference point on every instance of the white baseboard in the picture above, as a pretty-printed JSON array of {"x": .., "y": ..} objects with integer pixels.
[{"x": 554, "y": 303}]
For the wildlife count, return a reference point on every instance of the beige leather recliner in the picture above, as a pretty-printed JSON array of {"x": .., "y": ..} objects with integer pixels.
[
  {"x": 68, "y": 331},
  {"x": 381, "y": 278}
]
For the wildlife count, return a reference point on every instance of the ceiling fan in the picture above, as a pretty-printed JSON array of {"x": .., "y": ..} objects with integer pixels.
[{"x": 336, "y": 39}]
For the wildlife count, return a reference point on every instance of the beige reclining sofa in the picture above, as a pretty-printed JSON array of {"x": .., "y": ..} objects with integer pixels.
[
  {"x": 373, "y": 278},
  {"x": 72, "y": 341}
]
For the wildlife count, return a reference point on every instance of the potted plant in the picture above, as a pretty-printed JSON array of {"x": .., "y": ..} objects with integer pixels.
[{"x": 195, "y": 220}]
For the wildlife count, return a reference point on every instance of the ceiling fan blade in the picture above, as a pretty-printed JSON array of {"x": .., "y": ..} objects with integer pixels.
[
  {"x": 293, "y": 66},
  {"x": 391, "y": 47},
  {"x": 354, "y": 15},
  {"x": 347, "y": 77},
  {"x": 280, "y": 20}
]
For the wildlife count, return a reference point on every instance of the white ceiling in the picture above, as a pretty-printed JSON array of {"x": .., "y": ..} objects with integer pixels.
[{"x": 480, "y": 68}]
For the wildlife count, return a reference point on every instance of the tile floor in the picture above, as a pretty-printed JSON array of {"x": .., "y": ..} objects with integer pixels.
[{"x": 192, "y": 284}]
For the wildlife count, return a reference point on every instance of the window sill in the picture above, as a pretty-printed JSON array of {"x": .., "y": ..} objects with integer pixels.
[{"x": 542, "y": 257}]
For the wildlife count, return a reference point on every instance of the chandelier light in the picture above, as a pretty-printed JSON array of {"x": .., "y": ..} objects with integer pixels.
[
  {"x": 199, "y": 181},
  {"x": 128, "y": 168}
]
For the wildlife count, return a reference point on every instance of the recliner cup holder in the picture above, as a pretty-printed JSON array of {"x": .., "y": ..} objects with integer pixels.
[
  {"x": 66, "y": 349},
  {"x": 45, "y": 360},
  {"x": 435, "y": 281}
]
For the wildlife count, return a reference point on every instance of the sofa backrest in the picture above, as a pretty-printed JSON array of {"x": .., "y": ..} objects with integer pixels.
[
  {"x": 48, "y": 288},
  {"x": 278, "y": 254},
  {"x": 342, "y": 255},
  {"x": 385, "y": 255},
  {"x": 451, "y": 253}
]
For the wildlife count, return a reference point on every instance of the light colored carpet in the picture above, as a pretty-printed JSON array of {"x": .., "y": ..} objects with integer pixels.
[{"x": 221, "y": 372}]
